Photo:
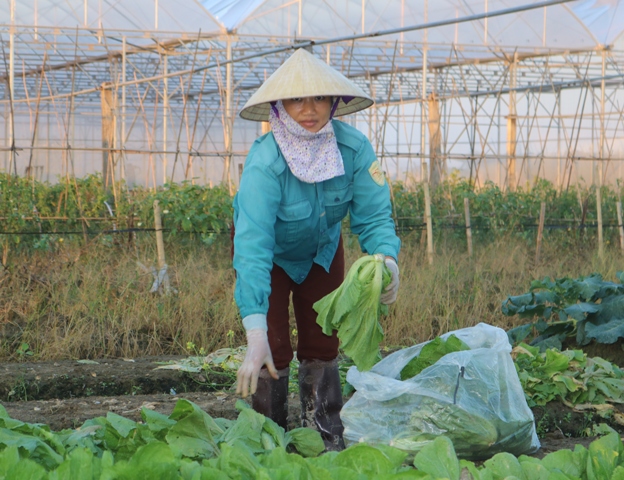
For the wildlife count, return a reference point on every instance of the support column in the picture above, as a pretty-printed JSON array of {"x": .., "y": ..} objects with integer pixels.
[
  {"x": 122, "y": 134},
  {"x": 438, "y": 163},
  {"x": 228, "y": 120},
  {"x": 423, "y": 116},
  {"x": 11, "y": 118},
  {"x": 511, "y": 127},
  {"x": 108, "y": 129},
  {"x": 165, "y": 114}
]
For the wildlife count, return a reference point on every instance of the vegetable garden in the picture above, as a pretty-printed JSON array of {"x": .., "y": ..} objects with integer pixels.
[{"x": 103, "y": 379}]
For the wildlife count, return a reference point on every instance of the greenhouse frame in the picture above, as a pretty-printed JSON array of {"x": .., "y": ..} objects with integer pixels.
[{"x": 148, "y": 92}]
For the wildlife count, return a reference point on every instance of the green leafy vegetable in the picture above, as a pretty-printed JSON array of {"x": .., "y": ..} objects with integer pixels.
[
  {"x": 353, "y": 309},
  {"x": 431, "y": 353},
  {"x": 569, "y": 376},
  {"x": 586, "y": 308}
]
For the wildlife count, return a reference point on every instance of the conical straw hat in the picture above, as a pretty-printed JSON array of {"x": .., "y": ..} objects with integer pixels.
[{"x": 304, "y": 75}]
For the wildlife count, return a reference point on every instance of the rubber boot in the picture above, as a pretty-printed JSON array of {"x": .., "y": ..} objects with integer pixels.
[
  {"x": 271, "y": 397},
  {"x": 321, "y": 400}
]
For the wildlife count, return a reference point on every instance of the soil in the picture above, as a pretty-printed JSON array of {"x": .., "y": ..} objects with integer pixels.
[{"x": 64, "y": 394}]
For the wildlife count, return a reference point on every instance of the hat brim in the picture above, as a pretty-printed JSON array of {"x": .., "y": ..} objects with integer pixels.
[{"x": 304, "y": 75}]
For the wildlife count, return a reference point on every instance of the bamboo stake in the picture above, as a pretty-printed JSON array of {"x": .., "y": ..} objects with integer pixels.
[
  {"x": 620, "y": 226},
  {"x": 599, "y": 212},
  {"x": 428, "y": 219},
  {"x": 468, "y": 228},
  {"x": 540, "y": 231},
  {"x": 160, "y": 244},
  {"x": 162, "y": 279}
]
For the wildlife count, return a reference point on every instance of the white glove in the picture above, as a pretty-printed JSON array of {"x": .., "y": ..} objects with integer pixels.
[
  {"x": 258, "y": 354},
  {"x": 389, "y": 295}
]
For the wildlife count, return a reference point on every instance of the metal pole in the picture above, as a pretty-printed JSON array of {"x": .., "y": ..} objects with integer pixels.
[
  {"x": 485, "y": 29},
  {"x": 165, "y": 117},
  {"x": 511, "y": 127},
  {"x": 599, "y": 166},
  {"x": 423, "y": 119},
  {"x": 122, "y": 136},
  {"x": 228, "y": 116},
  {"x": 363, "y": 16},
  {"x": 11, "y": 133},
  {"x": 36, "y": 15}
]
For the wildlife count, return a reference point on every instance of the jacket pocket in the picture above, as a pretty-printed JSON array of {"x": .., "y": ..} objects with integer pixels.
[
  {"x": 337, "y": 203},
  {"x": 291, "y": 220}
]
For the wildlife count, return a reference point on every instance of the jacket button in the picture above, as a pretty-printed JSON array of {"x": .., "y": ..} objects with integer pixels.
[{"x": 337, "y": 199}]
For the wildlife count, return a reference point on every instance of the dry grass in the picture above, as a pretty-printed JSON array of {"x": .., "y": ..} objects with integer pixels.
[{"x": 95, "y": 301}]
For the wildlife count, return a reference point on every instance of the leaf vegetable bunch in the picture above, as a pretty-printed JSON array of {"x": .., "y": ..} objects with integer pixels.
[{"x": 354, "y": 308}]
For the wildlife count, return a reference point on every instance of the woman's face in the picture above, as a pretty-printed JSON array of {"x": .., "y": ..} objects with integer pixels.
[{"x": 312, "y": 113}]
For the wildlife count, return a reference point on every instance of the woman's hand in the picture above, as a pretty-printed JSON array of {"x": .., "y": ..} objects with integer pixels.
[
  {"x": 389, "y": 295},
  {"x": 258, "y": 354}
]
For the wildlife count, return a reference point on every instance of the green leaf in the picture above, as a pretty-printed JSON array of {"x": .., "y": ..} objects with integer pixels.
[
  {"x": 155, "y": 460},
  {"x": 603, "y": 457},
  {"x": 238, "y": 462},
  {"x": 518, "y": 334},
  {"x": 570, "y": 463},
  {"x": 431, "y": 353},
  {"x": 31, "y": 447},
  {"x": 468, "y": 470},
  {"x": 504, "y": 465},
  {"x": 8, "y": 458},
  {"x": 192, "y": 435},
  {"x": 157, "y": 422},
  {"x": 80, "y": 464},
  {"x": 579, "y": 311},
  {"x": 588, "y": 286},
  {"x": 289, "y": 465},
  {"x": 618, "y": 473},
  {"x": 277, "y": 433},
  {"x": 306, "y": 441},
  {"x": 364, "y": 459},
  {"x": 606, "y": 333},
  {"x": 26, "y": 470},
  {"x": 247, "y": 429},
  {"x": 555, "y": 362},
  {"x": 123, "y": 426},
  {"x": 396, "y": 456},
  {"x": 535, "y": 471},
  {"x": 438, "y": 459}
]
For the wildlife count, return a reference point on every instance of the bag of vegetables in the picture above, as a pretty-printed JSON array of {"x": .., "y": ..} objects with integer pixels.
[{"x": 471, "y": 395}]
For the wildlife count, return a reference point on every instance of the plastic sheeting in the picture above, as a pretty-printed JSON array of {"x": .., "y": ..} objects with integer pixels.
[{"x": 473, "y": 397}]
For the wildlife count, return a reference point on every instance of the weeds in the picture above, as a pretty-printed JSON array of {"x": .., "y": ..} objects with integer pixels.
[{"x": 93, "y": 301}]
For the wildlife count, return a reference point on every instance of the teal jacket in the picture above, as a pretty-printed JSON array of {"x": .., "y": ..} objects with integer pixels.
[{"x": 280, "y": 219}]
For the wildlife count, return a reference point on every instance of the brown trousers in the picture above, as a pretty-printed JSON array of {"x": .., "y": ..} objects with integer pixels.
[{"x": 312, "y": 343}]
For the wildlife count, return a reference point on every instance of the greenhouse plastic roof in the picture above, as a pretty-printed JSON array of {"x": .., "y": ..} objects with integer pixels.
[
  {"x": 575, "y": 24},
  {"x": 136, "y": 15}
]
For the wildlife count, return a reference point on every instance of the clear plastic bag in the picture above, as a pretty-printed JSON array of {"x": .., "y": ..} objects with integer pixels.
[{"x": 473, "y": 397}]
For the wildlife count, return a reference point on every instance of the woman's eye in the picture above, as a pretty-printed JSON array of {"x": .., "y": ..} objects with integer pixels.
[{"x": 319, "y": 98}]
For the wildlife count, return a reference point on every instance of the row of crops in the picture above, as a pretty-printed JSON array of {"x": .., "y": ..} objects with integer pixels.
[
  {"x": 83, "y": 206},
  {"x": 190, "y": 444}
]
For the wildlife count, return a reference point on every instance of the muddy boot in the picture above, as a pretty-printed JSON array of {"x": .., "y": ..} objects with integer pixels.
[
  {"x": 321, "y": 400},
  {"x": 271, "y": 397}
]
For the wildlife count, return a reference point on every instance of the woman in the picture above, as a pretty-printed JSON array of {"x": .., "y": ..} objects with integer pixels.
[{"x": 299, "y": 182}]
